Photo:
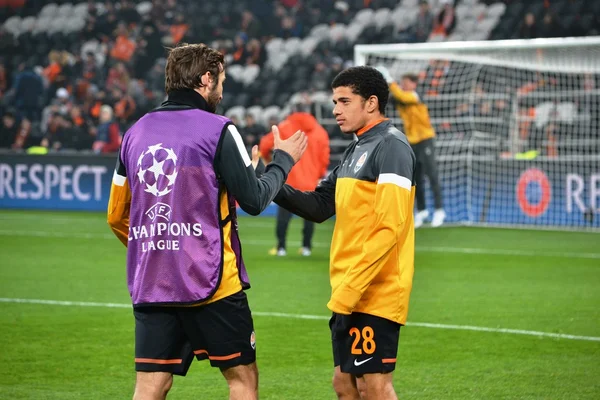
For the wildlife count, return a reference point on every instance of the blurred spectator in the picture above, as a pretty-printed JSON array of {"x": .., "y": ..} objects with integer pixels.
[
  {"x": 422, "y": 28},
  {"x": 178, "y": 29},
  {"x": 128, "y": 13},
  {"x": 124, "y": 47},
  {"x": 108, "y": 137},
  {"x": 445, "y": 21},
  {"x": 528, "y": 29},
  {"x": 239, "y": 50},
  {"x": 3, "y": 80},
  {"x": 253, "y": 131},
  {"x": 118, "y": 77},
  {"x": 250, "y": 25},
  {"x": 549, "y": 28},
  {"x": 28, "y": 91},
  {"x": 8, "y": 130},
  {"x": 255, "y": 53},
  {"x": 290, "y": 27},
  {"x": 54, "y": 68},
  {"x": 124, "y": 106}
]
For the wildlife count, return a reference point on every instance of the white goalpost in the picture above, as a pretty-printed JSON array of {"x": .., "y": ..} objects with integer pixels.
[{"x": 517, "y": 124}]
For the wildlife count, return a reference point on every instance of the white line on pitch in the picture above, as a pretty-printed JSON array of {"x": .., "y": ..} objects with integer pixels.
[
  {"x": 321, "y": 317},
  {"x": 420, "y": 249}
]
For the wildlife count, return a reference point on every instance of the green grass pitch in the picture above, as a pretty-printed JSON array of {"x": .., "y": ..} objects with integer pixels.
[{"x": 497, "y": 279}]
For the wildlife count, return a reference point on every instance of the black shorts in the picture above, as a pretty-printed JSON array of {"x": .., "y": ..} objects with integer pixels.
[
  {"x": 363, "y": 343},
  {"x": 168, "y": 338}
]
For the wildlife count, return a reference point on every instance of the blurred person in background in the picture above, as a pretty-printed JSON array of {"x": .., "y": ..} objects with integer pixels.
[
  {"x": 421, "y": 29},
  {"x": 28, "y": 92},
  {"x": 8, "y": 129},
  {"x": 305, "y": 175},
  {"x": 252, "y": 131},
  {"x": 445, "y": 22},
  {"x": 528, "y": 29},
  {"x": 108, "y": 137},
  {"x": 420, "y": 135}
]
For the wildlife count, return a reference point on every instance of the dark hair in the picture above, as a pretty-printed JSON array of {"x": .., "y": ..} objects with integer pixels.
[
  {"x": 188, "y": 62},
  {"x": 411, "y": 77},
  {"x": 366, "y": 82}
]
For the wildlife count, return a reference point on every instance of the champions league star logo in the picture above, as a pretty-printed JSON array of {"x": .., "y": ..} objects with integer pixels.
[{"x": 157, "y": 170}]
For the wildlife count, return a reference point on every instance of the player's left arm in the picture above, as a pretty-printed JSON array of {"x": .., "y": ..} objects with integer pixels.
[
  {"x": 119, "y": 203},
  {"x": 395, "y": 162}
]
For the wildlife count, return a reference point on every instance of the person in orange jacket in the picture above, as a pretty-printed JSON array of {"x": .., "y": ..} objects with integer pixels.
[{"x": 305, "y": 175}]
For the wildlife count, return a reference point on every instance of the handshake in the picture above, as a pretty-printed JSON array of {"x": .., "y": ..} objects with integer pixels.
[{"x": 295, "y": 145}]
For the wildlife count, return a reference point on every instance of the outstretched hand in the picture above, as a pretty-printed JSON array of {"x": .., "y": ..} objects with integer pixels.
[
  {"x": 255, "y": 157},
  {"x": 295, "y": 145}
]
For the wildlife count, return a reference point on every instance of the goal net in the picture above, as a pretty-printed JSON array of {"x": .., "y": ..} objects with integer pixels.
[{"x": 517, "y": 124}]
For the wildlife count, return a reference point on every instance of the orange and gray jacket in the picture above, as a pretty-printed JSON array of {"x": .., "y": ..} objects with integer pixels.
[{"x": 371, "y": 192}]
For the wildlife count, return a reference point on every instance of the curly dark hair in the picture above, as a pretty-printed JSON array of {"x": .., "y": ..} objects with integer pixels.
[
  {"x": 188, "y": 62},
  {"x": 366, "y": 82}
]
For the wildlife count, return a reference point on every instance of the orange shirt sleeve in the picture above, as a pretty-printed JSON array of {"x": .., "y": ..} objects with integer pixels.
[
  {"x": 119, "y": 204},
  {"x": 265, "y": 146}
]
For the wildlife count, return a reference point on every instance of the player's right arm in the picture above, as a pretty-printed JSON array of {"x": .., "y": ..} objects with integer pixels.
[
  {"x": 234, "y": 168},
  {"x": 119, "y": 203},
  {"x": 317, "y": 206},
  {"x": 403, "y": 96}
]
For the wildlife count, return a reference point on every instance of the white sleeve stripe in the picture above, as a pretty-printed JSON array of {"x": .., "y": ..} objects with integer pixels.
[
  {"x": 118, "y": 180},
  {"x": 240, "y": 144},
  {"x": 395, "y": 179}
]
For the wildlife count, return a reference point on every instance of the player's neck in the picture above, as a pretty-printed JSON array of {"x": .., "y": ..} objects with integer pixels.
[{"x": 370, "y": 123}]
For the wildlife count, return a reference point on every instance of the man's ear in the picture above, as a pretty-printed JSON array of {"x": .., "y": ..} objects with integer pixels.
[
  {"x": 372, "y": 104},
  {"x": 206, "y": 79}
]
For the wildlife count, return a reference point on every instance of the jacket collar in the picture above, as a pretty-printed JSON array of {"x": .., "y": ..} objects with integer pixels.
[
  {"x": 186, "y": 97},
  {"x": 373, "y": 129}
]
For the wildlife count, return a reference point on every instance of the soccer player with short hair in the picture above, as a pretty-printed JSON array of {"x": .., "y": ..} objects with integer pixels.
[
  {"x": 371, "y": 192},
  {"x": 180, "y": 171},
  {"x": 420, "y": 135}
]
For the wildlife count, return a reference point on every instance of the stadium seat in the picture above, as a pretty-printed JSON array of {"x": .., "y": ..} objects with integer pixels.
[
  {"x": 308, "y": 45},
  {"x": 319, "y": 31},
  {"x": 250, "y": 73},
  {"x": 274, "y": 46},
  {"x": 41, "y": 25},
  {"x": 496, "y": 10},
  {"x": 256, "y": 112},
  {"x": 49, "y": 10},
  {"x": 144, "y": 7},
  {"x": 365, "y": 17},
  {"x": 292, "y": 46},
  {"x": 13, "y": 24},
  {"x": 27, "y": 24},
  {"x": 353, "y": 31},
  {"x": 383, "y": 17},
  {"x": 337, "y": 33},
  {"x": 235, "y": 72},
  {"x": 65, "y": 10},
  {"x": 409, "y": 3},
  {"x": 80, "y": 9},
  {"x": 237, "y": 111}
]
